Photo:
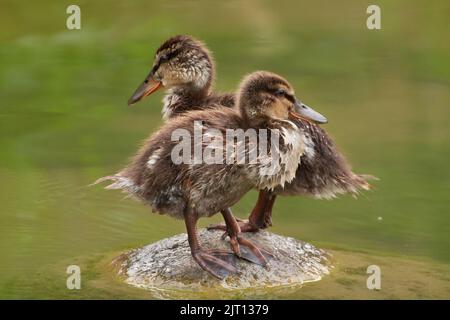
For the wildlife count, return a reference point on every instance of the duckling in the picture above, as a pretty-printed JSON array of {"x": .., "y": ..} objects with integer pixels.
[
  {"x": 191, "y": 190},
  {"x": 185, "y": 67}
]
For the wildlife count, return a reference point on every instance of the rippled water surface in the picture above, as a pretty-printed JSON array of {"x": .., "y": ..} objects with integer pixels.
[{"x": 64, "y": 122}]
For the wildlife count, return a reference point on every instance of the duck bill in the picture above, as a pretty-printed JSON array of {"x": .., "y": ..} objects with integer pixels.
[
  {"x": 303, "y": 112},
  {"x": 149, "y": 86}
]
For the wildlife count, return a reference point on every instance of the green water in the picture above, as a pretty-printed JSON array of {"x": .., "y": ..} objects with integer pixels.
[{"x": 64, "y": 122}]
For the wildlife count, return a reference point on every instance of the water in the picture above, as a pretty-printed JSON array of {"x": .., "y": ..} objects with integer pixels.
[{"x": 64, "y": 123}]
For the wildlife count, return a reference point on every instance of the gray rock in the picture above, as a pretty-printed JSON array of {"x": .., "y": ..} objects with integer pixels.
[{"x": 169, "y": 271}]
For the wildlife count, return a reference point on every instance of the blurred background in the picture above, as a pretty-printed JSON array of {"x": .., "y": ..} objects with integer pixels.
[{"x": 64, "y": 122}]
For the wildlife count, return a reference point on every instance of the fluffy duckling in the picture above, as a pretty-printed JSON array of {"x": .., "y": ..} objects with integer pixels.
[
  {"x": 191, "y": 190},
  {"x": 185, "y": 68}
]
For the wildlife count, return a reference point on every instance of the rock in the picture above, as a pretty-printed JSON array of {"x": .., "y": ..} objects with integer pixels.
[{"x": 169, "y": 271}]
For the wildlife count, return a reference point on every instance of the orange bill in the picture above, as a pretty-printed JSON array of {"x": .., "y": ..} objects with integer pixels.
[{"x": 149, "y": 86}]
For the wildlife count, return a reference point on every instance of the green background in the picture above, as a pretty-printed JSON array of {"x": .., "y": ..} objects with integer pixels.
[{"x": 64, "y": 122}]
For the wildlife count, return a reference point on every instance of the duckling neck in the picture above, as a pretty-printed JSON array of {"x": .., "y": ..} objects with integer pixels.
[{"x": 181, "y": 99}]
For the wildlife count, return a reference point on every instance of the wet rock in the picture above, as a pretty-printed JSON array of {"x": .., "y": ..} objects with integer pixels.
[{"x": 168, "y": 269}]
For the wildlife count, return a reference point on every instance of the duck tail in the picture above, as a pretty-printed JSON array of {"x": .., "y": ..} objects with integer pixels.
[
  {"x": 118, "y": 182},
  {"x": 113, "y": 178},
  {"x": 361, "y": 182}
]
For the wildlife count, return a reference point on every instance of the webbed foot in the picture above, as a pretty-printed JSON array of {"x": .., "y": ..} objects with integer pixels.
[
  {"x": 247, "y": 250},
  {"x": 219, "y": 263}
]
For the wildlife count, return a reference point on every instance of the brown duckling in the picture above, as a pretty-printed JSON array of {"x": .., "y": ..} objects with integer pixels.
[
  {"x": 185, "y": 67},
  {"x": 191, "y": 190}
]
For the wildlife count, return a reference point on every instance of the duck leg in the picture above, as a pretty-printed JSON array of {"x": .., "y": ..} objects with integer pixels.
[
  {"x": 242, "y": 247},
  {"x": 261, "y": 215},
  {"x": 260, "y": 218},
  {"x": 219, "y": 263}
]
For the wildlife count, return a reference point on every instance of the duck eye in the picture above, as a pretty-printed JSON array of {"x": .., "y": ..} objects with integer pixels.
[
  {"x": 163, "y": 58},
  {"x": 280, "y": 93}
]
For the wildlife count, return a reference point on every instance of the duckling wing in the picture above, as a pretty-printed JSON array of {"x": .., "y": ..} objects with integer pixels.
[
  {"x": 323, "y": 172},
  {"x": 156, "y": 178}
]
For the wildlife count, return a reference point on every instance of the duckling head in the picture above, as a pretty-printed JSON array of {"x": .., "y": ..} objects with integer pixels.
[
  {"x": 180, "y": 62},
  {"x": 264, "y": 96}
]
